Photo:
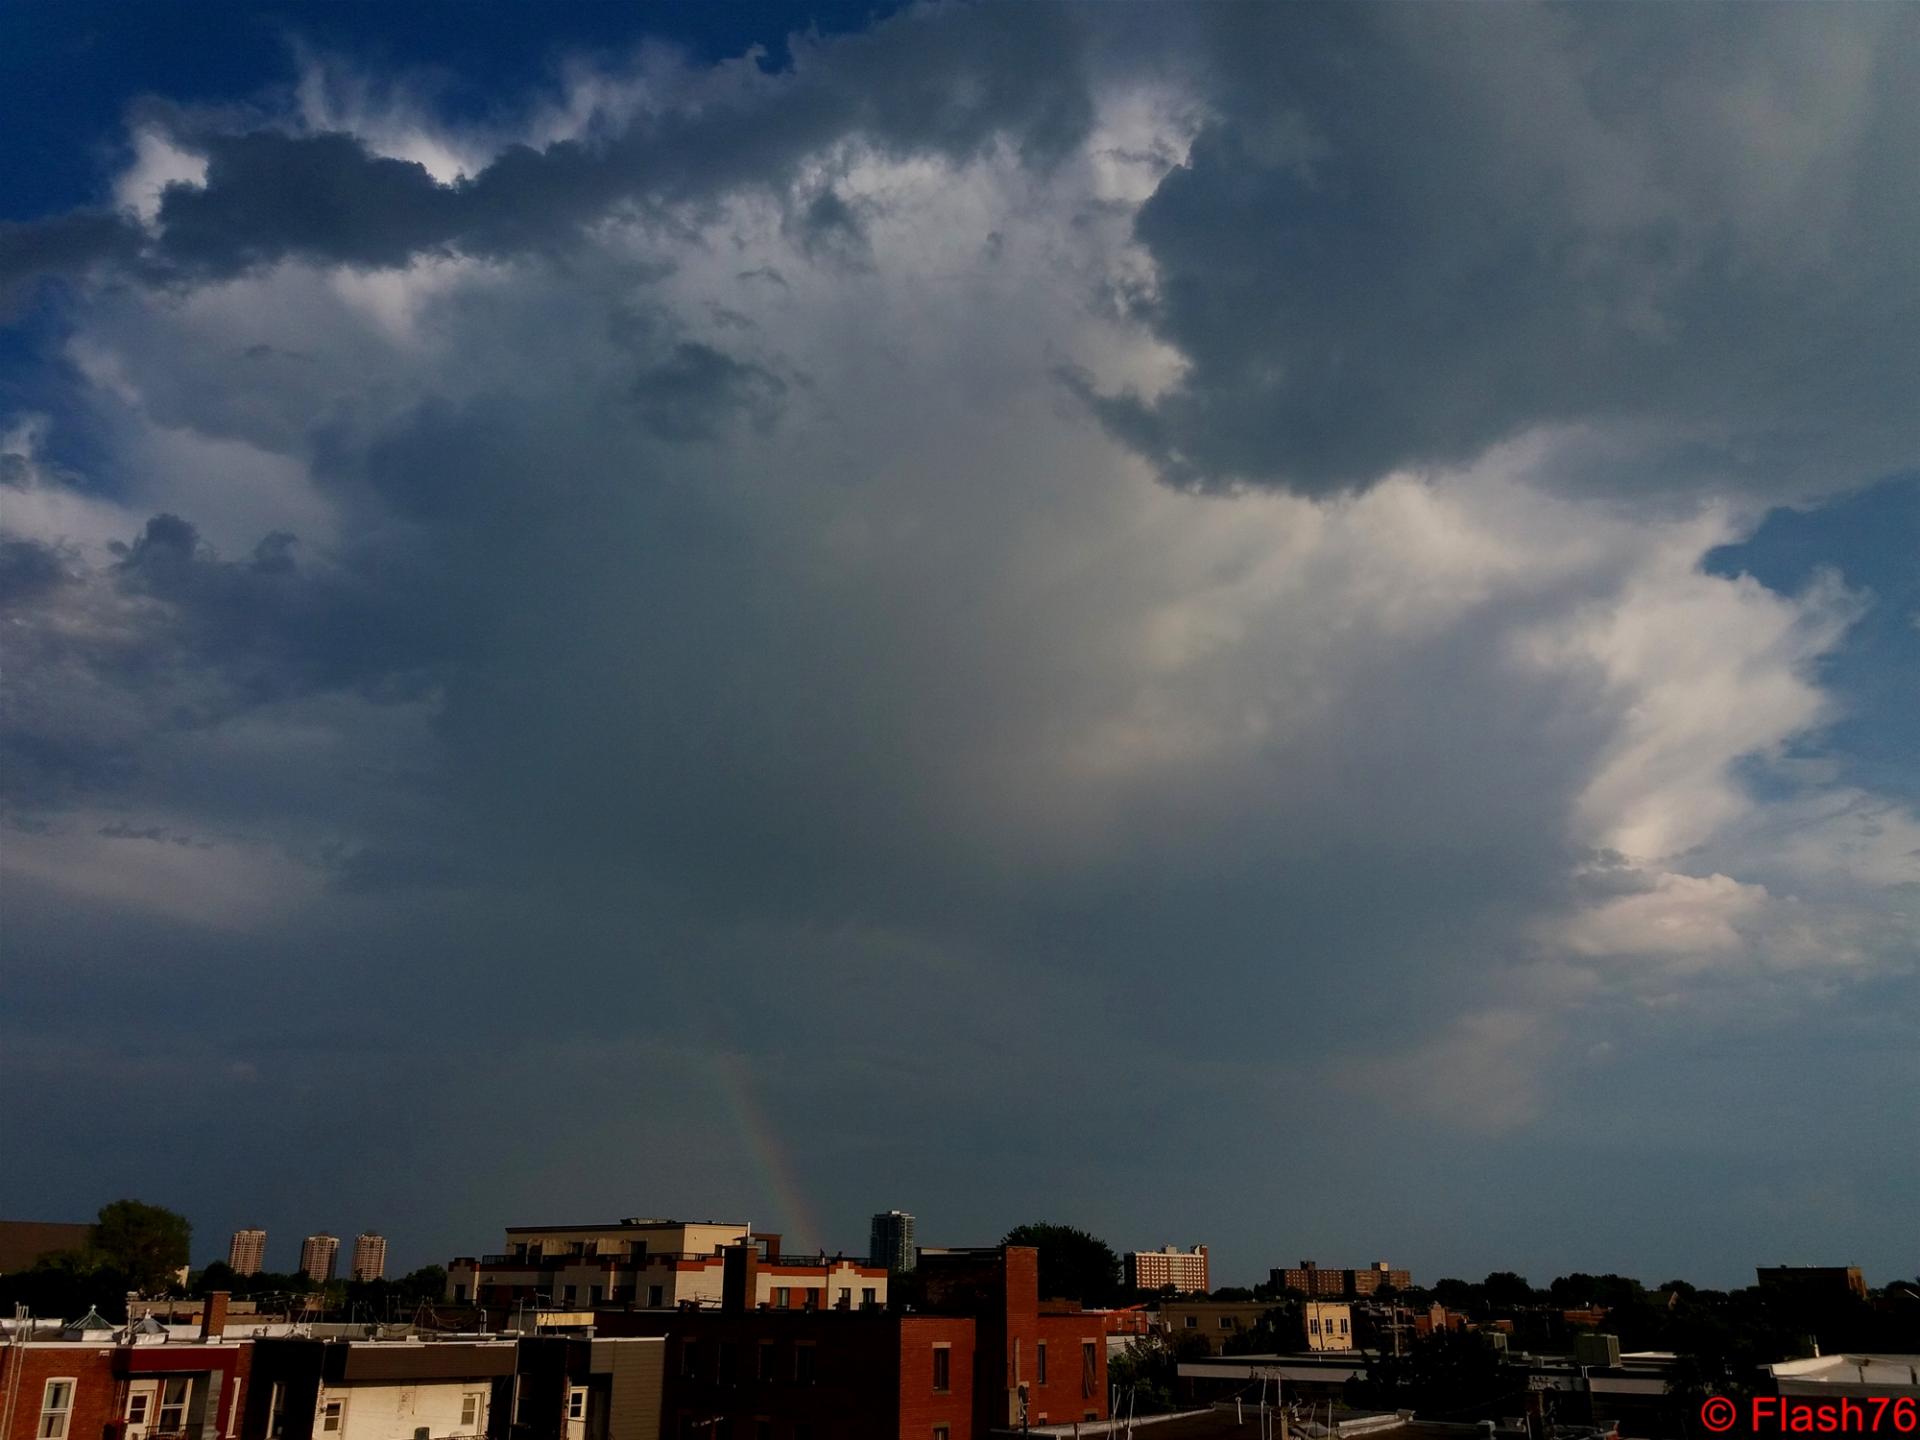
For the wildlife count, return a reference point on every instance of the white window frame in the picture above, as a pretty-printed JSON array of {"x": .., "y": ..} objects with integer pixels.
[
  {"x": 50, "y": 1411},
  {"x": 333, "y": 1414},
  {"x": 184, "y": 1406},
  {"x": 471, "y": 1409},
  {"x": 576, "y": 1403}
]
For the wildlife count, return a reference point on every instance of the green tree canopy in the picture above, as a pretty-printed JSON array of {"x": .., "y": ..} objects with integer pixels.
[
  {"x": 1503, "y": 1287},
  {"x": 1073, "y": 1264},
  {"x": 146, "y": 1243},
  {"x": 1448, "y": 1376}
]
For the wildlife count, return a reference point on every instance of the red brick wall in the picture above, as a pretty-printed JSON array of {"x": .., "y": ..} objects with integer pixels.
[
  {"x": 1062, "y": 1399},
  {"x": 100, "y": 1374},
  {"x": 921, "y": 1406},
  {"x": 95, "y": 1398}
]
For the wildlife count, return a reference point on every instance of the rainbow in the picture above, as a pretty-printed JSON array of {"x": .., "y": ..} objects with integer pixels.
[{"x": 768, "y": 1155}]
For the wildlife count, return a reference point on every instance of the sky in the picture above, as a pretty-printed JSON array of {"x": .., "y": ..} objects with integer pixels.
[{"x": 1295, "y": 628}]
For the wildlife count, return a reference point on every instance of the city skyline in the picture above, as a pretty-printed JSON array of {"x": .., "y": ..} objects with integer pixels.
[{"x": 1280, "y": 625}]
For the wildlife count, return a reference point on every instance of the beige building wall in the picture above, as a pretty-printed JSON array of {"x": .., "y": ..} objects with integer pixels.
[
  {"x": 1328, "y": 1323},
  {"x": 661, "y": 1237},
  {"x": 638, "y": 1368},
  {"x": 398, "y": 1412}
]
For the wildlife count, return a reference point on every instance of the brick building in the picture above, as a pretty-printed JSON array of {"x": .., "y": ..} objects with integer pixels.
[
  {"x": 1317, "y": 1283},
  {"x": 1813, "y": 1282},
  {"x": 24, "y": 1243},
  {"x": 92, "y": 1380},
  {"x": 985, "y": 1354},
  {"x": 1184, "y": 1270}
]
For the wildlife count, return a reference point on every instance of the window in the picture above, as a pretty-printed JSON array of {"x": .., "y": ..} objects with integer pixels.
[
  {"x": 330, "y": 1416},
  {"x": 942, "y": 1368},
  {"x": 1313, "y": 1324},
  {"x": 1227, "y": 1322},
  {"x": 868, "y": 1296},
  {"x": 469, "y": 1412},
  {"x": 577, "y": 1403},
  {"x": 139, "y": 1403},
  {"x": 723, "y": 1362},
  {"x": 594, "y": 1292},
  {"x": 567, "y": 1292},
  {"x": 1343, "y": 1327},
  {"x": 460, "y": 1293},
  {"x": 782, "y": 1297},
  {"x": 803, "y": 1364},
  {"x": 763, "y": 1430},
  {"x": 941, "y": 1432},
  {"x": 656, "y": 1296},
  {"x": 1089, "y": 1368},
  {"x": 765, "y": 1368},
  {"x": 1040, "y": 1363},
  {"x": 1193, "y": 1322},
  {"x": 174, "y": 1395},
  {"x": 56, "y": 1409},
  {"x": 846, "y": 1296},
  {"x": 276, "y": 1411},
  {"x": 813, "y": 1297}
]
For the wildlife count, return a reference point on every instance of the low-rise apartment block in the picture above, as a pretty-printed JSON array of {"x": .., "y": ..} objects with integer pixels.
[
  {"x": 653, "y": 1265},
  {"x": 377, "y": 1389}
]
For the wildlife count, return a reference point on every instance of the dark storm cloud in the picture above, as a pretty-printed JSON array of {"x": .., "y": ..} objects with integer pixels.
[
  {"x": 1406, "y": 234},
  {"x": 28, "y": 570},
  {"x": 271, "y": 628},
  {"x": 63, "y": 245},
  {"x": 170, "y": 637},
  {"x": 948, "y": 81}
]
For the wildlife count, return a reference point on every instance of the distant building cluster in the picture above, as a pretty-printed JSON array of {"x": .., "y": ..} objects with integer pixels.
[
  {"x": 1184, "y": 1270},
  {"x": 1315, "y": 1282},
  {"x": 319, "y": 1255},
  {"x": 648, "y": 1328}
]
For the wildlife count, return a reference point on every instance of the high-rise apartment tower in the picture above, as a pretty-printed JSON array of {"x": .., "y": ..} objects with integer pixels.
[
  {"x": 369, "y": 1257},
  {"x": 890, "y": 1241},
  {"x": 247, "y": 1254},
  {"x": 318, "y": 1255}
]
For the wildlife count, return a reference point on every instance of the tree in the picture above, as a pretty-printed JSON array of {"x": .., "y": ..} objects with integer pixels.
[
  {"x": 147, "y": 1243},
  {"x": 217, "y": 1276},
  {"x": 1073, "y": 1264},
  {"x": 1503, "y": 1287},
  {"x": 1143, "y": 1376},
  {"x": 1454, "y": 1294},
  {"x": 1278, "y": 1330},
  {"x": 1449, "y": 1375}
]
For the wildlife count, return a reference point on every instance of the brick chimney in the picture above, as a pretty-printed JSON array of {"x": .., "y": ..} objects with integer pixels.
[
  {"x": 213, "y": 1319},
  {"x": 739, "y": 1273}
]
